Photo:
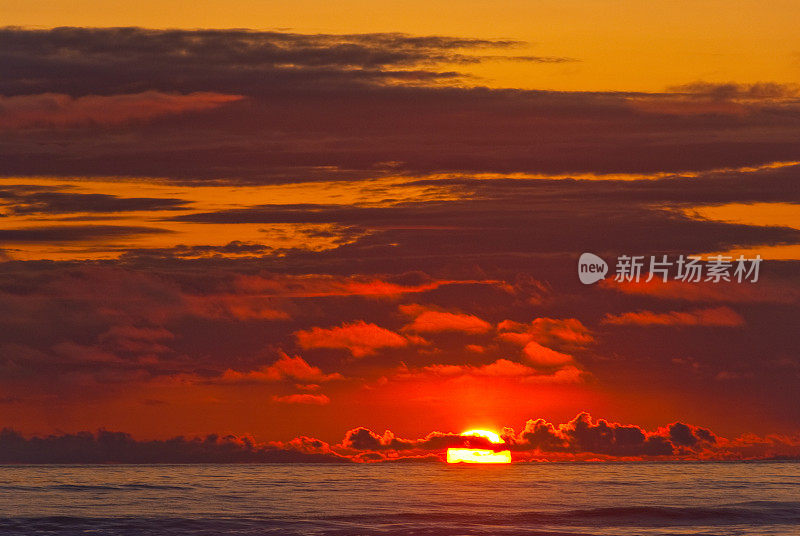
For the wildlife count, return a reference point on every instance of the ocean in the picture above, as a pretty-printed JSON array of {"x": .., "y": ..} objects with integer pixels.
[{"x": 757, "y": 498}]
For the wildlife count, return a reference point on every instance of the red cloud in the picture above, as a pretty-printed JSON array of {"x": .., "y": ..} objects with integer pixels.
[
  {"x": 538, "y": 337},
  {"x": 431, "y": 321},
  {"x": 285, "y": 368},
  {"x": 307, "y": 444},
  {"x": 360, "y": 338},
  {"x": 542, "y": 356},
  {"x": 52, "y": 109},
  {"x": 567, "y": 374},
  {"x": 321, "y": 285},
  {"x": 750, "y": 446},
  {"x": 319, "y": 400},
  {"x": 763, "y": 291},
  {"x": 714, "y": 316},
  {"x": 502, "y": 368},
  {"x": 549, "y": 331}
]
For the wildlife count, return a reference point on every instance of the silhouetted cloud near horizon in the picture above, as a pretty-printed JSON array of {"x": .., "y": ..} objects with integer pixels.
[
  {"x": 118, "y": 447},
  {"x": 582, "y": 438},
  {"x": 583, "y": 434}
]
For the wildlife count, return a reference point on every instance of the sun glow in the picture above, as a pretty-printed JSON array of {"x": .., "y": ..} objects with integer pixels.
[{"x": 468, "y": 455}]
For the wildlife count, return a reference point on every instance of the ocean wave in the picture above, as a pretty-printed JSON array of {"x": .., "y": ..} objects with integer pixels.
[
  {"x": 597, "y": 521},
  {"x": 756, "y": 512},
  {"x": 571, "y": 522},
  {"x": 69, "y": 526},
  {"x": 379, "y": 500}
]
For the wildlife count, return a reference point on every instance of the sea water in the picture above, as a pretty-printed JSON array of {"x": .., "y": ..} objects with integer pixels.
[{"x": 756, "y": 498}]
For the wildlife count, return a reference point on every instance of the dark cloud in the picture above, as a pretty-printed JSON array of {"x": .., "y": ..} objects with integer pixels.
[
  {"x": 85, "y": 325},
  {"x": 769, "y": 185},
  {"x": 24, "y": 201},
  {"x": 356, "y": 106},
  {"x": 580, "y": 438},
  {"x": 67, "y": 325},
  {"x": 362, "y": 439},
  {"x": 54, "y": 110},
  {"x": 582, "y": 434},
  {"x": 233, "y": 248},
  {"x": 684, "y": 435},
  {"x": 733, "y": 91},
  {"x": 117, "y": 447},
  {"x": 354, "y": 133},
  {"x": 365, "y": 439},
  {"x": 524, "y": 224},
  {"x": 103, "y": 61},
  {"x": 73, "y": 233}
]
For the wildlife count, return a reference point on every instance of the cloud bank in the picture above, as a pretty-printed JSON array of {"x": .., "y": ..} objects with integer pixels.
[{"x": 582, "y": 438}]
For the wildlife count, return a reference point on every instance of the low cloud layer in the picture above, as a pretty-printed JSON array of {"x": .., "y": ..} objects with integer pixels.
[{"x": 582, "y": 438}]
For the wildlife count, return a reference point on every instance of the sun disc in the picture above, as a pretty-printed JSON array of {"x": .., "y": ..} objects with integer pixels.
[
  {"x": 488, "y": 434},
  {"x": 467, "y": 455}
]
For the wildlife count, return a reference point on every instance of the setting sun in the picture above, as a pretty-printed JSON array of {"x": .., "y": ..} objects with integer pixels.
[{"x": 470, "y": 455}]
